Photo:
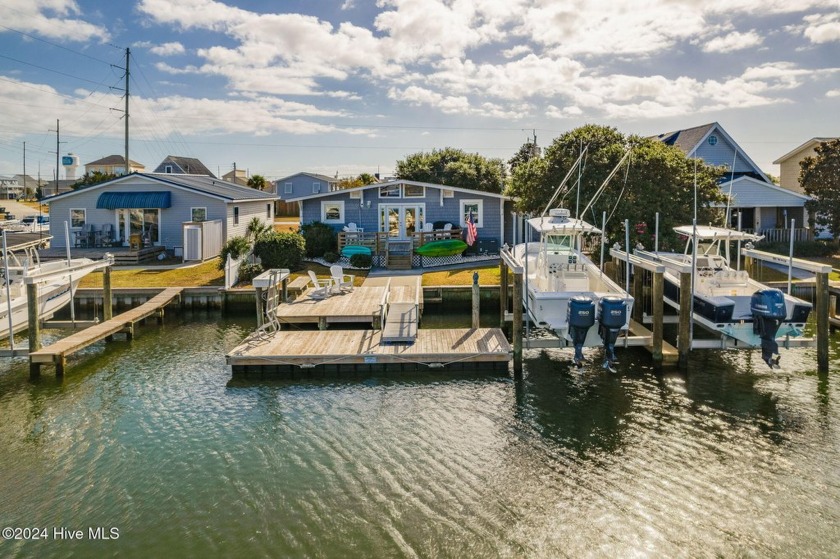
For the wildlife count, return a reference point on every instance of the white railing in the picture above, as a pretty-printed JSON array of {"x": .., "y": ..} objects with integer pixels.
[{"x": 783, "y": 235}]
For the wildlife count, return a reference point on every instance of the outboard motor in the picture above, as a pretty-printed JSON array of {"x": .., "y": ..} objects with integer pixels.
[
  {"x": 768, "y": 311},
  {"x": 611, "y": 319},
  {"x": 581, "y": 317}
]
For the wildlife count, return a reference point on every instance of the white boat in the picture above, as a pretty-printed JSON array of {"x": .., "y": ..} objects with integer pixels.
[
  {"x": 566, "y": 292},
  {"x": 56, "y": 280},
  {"x": 36, "y": 224},
  {"x": 727, "y": 300}
]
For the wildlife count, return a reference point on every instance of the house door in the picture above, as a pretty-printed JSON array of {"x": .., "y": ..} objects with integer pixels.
[
  {"x": 143, "y": 222},
  {"x": 401, "y": 220}
]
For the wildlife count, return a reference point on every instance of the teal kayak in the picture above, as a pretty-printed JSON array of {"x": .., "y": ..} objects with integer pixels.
[
  {"x": 350, "y": 250},
  {"x": 446, "y": 247}
]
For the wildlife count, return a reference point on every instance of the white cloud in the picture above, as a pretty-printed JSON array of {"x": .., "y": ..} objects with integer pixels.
[
  {"x": 56, "y": 19},
  {"x": 733, "y": 41},
  {"x": 168, "y": 49},
  {"x": 515, "y": 51},
  {"x": 824, "y": 28},
  {"x": 833, "y": 93}
]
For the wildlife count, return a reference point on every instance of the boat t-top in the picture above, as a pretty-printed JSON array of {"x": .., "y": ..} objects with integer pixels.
[
  {"x": 565, "y": 291},
  {"x": 727, "y": 300}
]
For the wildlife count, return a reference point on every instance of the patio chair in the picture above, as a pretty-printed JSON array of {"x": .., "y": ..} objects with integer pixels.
[
  {"x": 107, "y": 234},
  {"x": 447, "y": 227},
  {"x": 341, "y": 282},
  {"x": 428, "y": 227},
  {"x": 320, "y": 287},
  {"x": 351, "y": 228}
]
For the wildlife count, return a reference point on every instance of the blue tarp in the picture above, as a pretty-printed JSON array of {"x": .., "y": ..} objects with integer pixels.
[{"x": 120, "y": 200}]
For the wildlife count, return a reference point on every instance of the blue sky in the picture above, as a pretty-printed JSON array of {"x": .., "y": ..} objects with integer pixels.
[{"x": 353, "y": 86}]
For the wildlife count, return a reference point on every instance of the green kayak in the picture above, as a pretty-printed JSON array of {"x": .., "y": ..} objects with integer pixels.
[{"x": 446, "y": 247}]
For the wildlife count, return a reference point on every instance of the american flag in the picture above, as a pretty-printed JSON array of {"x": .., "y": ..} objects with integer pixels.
[{"x": 472, "y": 232}]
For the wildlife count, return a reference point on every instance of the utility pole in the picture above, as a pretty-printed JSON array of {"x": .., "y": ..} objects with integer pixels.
[
  {"x": 127, "y": 96},
  {"x": 57, "y": 150},
  {"x": 24, "y": 169}
]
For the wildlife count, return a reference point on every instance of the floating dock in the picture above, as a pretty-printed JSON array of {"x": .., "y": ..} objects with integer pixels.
[{"x": 362, "y": 305}]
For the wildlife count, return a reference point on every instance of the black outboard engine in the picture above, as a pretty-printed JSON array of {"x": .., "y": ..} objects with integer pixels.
[
  {"x": 768, "y": 312},
  {"x": 581, "y": 317},
  {"x": 612, "y": 318}
]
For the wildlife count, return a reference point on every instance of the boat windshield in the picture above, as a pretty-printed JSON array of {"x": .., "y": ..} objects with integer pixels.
[{"x": 559, "y": 243}]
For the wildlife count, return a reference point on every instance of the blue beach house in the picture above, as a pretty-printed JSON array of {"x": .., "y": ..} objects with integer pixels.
[{"x": 393, "y": 218}]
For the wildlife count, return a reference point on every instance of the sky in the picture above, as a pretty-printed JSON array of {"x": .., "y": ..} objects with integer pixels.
[{"x": 353, "y": 86}]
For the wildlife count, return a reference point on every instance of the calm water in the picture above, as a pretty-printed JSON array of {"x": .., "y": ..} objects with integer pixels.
[{"x": 155, "y": 439}]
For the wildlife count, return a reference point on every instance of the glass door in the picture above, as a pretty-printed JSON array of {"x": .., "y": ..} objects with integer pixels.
[
  {"x": 143, "y": 222},
  {"x": 400, "y": 221}
]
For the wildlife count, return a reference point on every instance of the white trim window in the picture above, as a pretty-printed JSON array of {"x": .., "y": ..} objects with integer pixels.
[
  {"x": 236, "y": 215},
  {"x": 477, "y": 207},
  {"x": 168, "y": 169},
  {"x": 332, "y": 212},
  {"x": 316, "y": 187},
  {"x": 198, "y": 214},
  {"x": 268, "y": 211},
  {"x": 78, "y": 218},
  {"x": 414, "y": 191},
  {"x": 287, "y": 189},
  {"x": 390, "y": 191}
]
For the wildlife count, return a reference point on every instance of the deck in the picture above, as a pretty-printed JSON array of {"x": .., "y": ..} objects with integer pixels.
[
  {"x": 288, "y": 351},
  {"x": 363, "y": 304},
  {"x": 124, "y": 322}
]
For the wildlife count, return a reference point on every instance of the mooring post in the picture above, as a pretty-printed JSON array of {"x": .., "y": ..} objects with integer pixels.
[
  {"x": 832, "y": 311},
  {"x": 686, "y": 310},
  {"x": 822, "y": 322},
  {"x": 34, "y": 322},
  {"x": 503, "y": 292},
  {"x": 60, "y": 365},
  {"x": 284, "y": 290},
  {"x": 476, "y": 301},
  {"x": 107, "y": 295},
  {"x": 322, "y": 323},
  {"x": 258, "y": 296},
  {"x": 658, "y": 309},
  {"x": 638, "y": 292},
  {"x": 517, "y": 323}
]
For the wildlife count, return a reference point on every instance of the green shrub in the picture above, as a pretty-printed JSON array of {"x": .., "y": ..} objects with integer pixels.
[
  {"x": 280, "y": 250},
  {"x": 320, "y": 239},
  {"x": 236, "y": 247},
  {"x": 361, "y": 260},
  {"x": 247, "y": 272},
  {"x": 331, "y": 257}
]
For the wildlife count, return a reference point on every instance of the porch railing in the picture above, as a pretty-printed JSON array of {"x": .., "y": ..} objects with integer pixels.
[
  {"x": 783, "y": 235},
  {"x": 378, "y": 242}
]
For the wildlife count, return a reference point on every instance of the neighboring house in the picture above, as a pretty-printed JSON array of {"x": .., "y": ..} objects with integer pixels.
[
  {"x": 156, "y": 206},
  {"x": 303, "y": 184},
  {"x": 10, "y": 188},
  {"x": 173, "y": 164},
  {"x": 64, "y": 185},
  {"x": 29, "y": 184},
  {"x": 765, "y": 207},
  {"x": 238, "y": 176},
  {"x": 400, "y": 209},
  {"x": 789, "y": 163},
  {"x": 113, "y": 165}
]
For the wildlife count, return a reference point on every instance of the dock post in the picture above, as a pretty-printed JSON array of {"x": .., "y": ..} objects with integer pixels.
[
  {"x": 60, "y": 365},
  {"x": 638, "y": 292},
  {"x": 686, "y": 311},
  {"x": 284, "y": 290},
  {"x": 258, "y": 297},
  {"x": 658, "y": 309},
  {"x": 107, "y": 295},
  {"x": 517, "y": 324},
  {"x": 322, "y": 323},
  {"x": 503, "y": 292},
  {"x": 822, "y": 322},
  {"x": 832, "y": 310},
  {"x": 476, "y": 301},
  {"x": 34, "y": 323}
]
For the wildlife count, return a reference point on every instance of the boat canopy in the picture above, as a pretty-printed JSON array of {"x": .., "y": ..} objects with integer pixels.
[
  {"x": 558, "y": 221},
  {"x": 707, "y": 232}
]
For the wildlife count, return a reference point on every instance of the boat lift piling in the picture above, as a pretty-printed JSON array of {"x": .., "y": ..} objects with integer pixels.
[
  {"x": 476, "y": 301},
  {"x": 507, "y": 262}
]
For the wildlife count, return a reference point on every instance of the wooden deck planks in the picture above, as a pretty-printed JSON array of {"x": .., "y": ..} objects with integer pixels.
[
  {"x": 364, "y": 346},
  {"x": 88, "y": 336},
  {"x": 358, "y": 305},
  {"x": 401, "y": 323}
]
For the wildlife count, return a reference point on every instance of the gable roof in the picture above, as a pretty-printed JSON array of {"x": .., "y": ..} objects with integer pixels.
[
  {"x": 214, "y": 187},
  {"x": 115, "y": 160},
  {"x": 810, "y": 143},
  {"x": 398, "y": 181},
  {"x": 189, "y": 165},
  {"x": 690, "y": 139},
  {"x": 748, "y": 192},
  {"x": 324, "y": 178}
]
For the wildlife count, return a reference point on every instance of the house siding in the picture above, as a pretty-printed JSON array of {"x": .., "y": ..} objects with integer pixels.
[
  {"x": 723, "y": 154},
  {"x": 753, "y": 194},
  {"x": 301, "y": 186}
]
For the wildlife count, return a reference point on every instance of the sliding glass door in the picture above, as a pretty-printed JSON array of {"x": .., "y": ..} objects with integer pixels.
[{"x": 400, "y": 221}]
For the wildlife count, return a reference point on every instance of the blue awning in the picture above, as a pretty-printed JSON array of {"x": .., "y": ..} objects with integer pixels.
[{"x": 120, "y": 200}]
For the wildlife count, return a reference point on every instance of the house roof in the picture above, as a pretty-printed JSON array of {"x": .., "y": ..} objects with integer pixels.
[
  {"x": 209, "y": 186},
  {"x": 398, "y": 181},
  {"x": 810, "y": 143},
  {"x": 324, "y": 178},
  {"x": 115, "y": 160},
  {"x": 748, "y": 192},
  {"x": 189, "y": 165},
  {"x": 690, "y": 139}
]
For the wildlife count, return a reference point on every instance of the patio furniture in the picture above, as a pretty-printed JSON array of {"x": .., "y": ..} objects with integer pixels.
[
  {"x": 428, "y": 227},
  {"x": 353, "y": 228},
  {"x": 92, "y": 234},
  {"x": 447, "y": 227},
  {"x": 107, "y": 234},
  {"x": 80, "y": 239},
  {"x": 320, "y": 288},
  {"x": 341, "y": 282}
]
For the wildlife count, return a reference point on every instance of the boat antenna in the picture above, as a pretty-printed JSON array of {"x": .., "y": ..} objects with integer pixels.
[
  {"x": 729, "y": 196},
  {"x": 580, "y": 171},
  {"x": 606, "y": 181},
  {"x": 564, "y": 181}
]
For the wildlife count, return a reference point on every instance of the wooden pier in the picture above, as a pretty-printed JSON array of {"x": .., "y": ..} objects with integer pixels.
[
  {"x": 335, "y": 350},
  {"x": 362, "y": 305},
  {"x": 123, "y": 323}
]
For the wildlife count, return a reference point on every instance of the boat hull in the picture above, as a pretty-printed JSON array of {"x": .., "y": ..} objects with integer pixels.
[{"x": 51, "y": 298}]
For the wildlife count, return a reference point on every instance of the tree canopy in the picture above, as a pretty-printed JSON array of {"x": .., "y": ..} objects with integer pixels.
[
  {"x": 257, "y": 181},
  {"x": 363, "y": 179},
  {"x": 94, "y": 177},
  {"x": 454, "y": 167},
  {"x": 655, "y": 178},
  {"x": 819, "y": 176}
]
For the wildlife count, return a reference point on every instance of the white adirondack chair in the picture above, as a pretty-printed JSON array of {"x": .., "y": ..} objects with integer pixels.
[
  {"x": 320, "y": 287},
  {"x": 341, "y": 282}
]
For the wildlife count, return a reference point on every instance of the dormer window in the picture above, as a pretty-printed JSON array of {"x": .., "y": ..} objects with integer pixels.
[{"x": 713, "y": 140}]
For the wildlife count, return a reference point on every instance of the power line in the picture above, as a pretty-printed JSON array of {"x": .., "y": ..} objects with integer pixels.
[
  {"x": 34, "y": 38},
  {"x": 49, "y": 70}
]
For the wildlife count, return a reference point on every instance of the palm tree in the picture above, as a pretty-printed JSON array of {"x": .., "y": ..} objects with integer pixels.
[
  {"x": 257, "y": 181},
  {"x": 256, "y": 229}
]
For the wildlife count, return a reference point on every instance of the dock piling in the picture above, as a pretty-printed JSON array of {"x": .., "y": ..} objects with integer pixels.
[
  {"x": 658, "y": 310},
  {"x": 476, "y": 301},
  {"x": 517, "y": 323},
  {"x": 503, "y": 292},
  {"x": 822, "y": 322},
  {"x": 34, "y": 323},
  {"x": 686, "y": 312},
  {"x": 107, "y": 295}
]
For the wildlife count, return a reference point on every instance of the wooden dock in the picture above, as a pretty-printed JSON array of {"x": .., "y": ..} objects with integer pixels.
[
  {"x": 362, "y": 304},
  {"x": 124, "y": 323},
  {"x": 363, "y": 350},
  {"x": 404, "y": 308}
]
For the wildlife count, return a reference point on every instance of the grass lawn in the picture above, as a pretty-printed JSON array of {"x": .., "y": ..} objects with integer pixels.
[
  {"x": 205, "y": 274},
  {"x": 487, "y": 275}
]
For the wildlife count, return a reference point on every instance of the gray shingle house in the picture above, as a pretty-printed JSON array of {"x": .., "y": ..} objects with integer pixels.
[
  {"x": 156, "y": 207},
  {"x": 174, "y": 164}
]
